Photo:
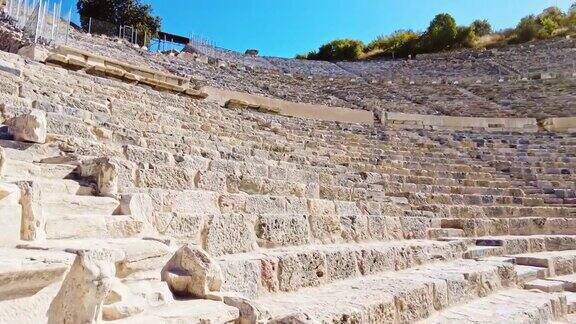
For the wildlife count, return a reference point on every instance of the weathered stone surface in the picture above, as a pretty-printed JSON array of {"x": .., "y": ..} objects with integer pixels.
[
  {"x": 324, "y": 222},
  {"x": 279, "y": 230},
  {"x": 294, "y": 319},
  {"x": 84, "y": 289},
  {"x": 30, "y": 127},
  {"x": 121, "y": 303},
  {"x": 249, "y": 311},
  {"x": 229, "y": 233},
  {"x": 33, "y": 218},
  {"x": 105, "y": 172},
  {"x": 3, "y": 159},
  {"x": 192, "y": 273},
  {"x": 140, "y": 207}
]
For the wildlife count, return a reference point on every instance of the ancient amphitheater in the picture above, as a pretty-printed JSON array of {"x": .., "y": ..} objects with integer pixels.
[{"x": 147, "y": 188}]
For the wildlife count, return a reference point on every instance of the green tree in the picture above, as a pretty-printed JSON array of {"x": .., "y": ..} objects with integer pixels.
[
  {"x": 481, "y": 27},
  {"x": 527, "y": 29},
  {"x": 547, "y": 27},
  {"x": 466, "y": 36},
  {"x": 442, "y": 32},
  {"x": 339, "y": 50},
  {"x": 570, "y": 21},
  {"x": 119, "y": 12}
]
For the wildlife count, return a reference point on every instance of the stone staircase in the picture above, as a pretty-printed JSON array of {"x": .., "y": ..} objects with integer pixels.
[{"x": 328, "y": 221}]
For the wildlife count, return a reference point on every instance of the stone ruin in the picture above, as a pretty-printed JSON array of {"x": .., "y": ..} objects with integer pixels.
[{"x": 130, "y": 196}]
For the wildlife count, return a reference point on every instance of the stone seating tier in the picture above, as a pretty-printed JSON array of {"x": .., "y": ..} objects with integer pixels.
[
  {"x": 464, "y": 84},
  {"x": 381, "y": 223}
]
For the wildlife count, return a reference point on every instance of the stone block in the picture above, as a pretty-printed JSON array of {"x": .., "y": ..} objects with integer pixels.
[
  {"x": 324, "y": 222},
  {"x": 282, "y": 230},
  {"x": 142, "y": 155},
  {"x": 30, "y": 127},
  {"x": 213, "y": 181},
  {"x": 82, "y": 294},
  {"x": 196, "y": 202},
  {"x": 191, "y": 272},
  {"x": 265, "y": 204},
  {"x": 299, "y": 270},
  {"x": 229, "y": 234},
  {"x": 33, "y": 218}
]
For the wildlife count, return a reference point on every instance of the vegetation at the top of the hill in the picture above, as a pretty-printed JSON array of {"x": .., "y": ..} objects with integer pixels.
[
  {"x": 111, "y": 13},
  {"x": 444, "y": 33}
]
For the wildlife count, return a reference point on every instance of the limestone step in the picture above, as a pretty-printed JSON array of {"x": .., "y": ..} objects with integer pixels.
[
  {"x": 510, "y": 306},
  {"x": 519, "y": 244},
  {"x": 558, "y": 262},
  {"x": 187, "y": 311},
  {"x": 93, "y": 226},
  {"x": 60, "y": 205},
  {"x": 29, "y": 152},
  {"x": 434, "y": 233},
  {"x": 478, "y": 252},
  {"x": 571, "y": 302},
  {"x": 401, "y": 297},
  {"x": 568, "y": 282},
  {"x": 529, "y": 273},
  {"x": 289, "y": 269},
  {"x": 548, "y": 286},
  {"x": 25, "y": 272},
  {"x": 132, "y": 254},
  {"x": 63, "y": 186},
  {"x": 10, "y": 221},
  {"x": 30, "y": 170}
]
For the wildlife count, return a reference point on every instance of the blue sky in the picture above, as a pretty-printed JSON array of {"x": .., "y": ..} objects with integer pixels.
[{"x": 287, "y": 27}]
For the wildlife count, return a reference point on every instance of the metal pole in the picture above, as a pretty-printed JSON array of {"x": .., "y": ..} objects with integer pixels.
[
  {"x": 37, "y": 23},
  {"x": 43, "y": 18},
  {"x": 53, "y": 21},
  {"x": 18, "y": 11}
]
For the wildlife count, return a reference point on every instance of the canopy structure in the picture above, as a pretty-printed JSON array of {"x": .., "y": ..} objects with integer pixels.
[{"x": 167, "y": 37}]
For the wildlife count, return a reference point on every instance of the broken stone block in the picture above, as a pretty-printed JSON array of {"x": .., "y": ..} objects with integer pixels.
[
  {"x": 121, "y": 303},
  {"x": 29, "y": 127},
  {"x": 249, "y": 311},
  {"x": 34, "y": 52},
  {"x": 105, "y": 172},
  {"x": 140, "y": 207},
  {"x": 192, "y": 273},
  {"x": 239, "y": 104},
  {"x": 83, "y": 290},
  {"x": 33, "y": 220}
]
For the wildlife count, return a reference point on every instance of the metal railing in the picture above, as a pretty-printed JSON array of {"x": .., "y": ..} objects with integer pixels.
[
  {"x": 130, "y": 34},
  {"x": 41, "y": 21}
]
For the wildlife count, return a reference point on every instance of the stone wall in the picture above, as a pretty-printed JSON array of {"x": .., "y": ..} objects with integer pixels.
[
  {"x": 393, "y": 119},
  {"x": 293, "y": 109}
]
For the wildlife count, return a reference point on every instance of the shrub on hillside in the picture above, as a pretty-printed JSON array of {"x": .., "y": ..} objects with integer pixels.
[
  {"x": 400, "y": 44},
  {"x": 481, "y": 27},
  {"x": 466, "y": 36},
  {"x": 527, "y": 29},
  {"x": 339, "y": 50}
]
